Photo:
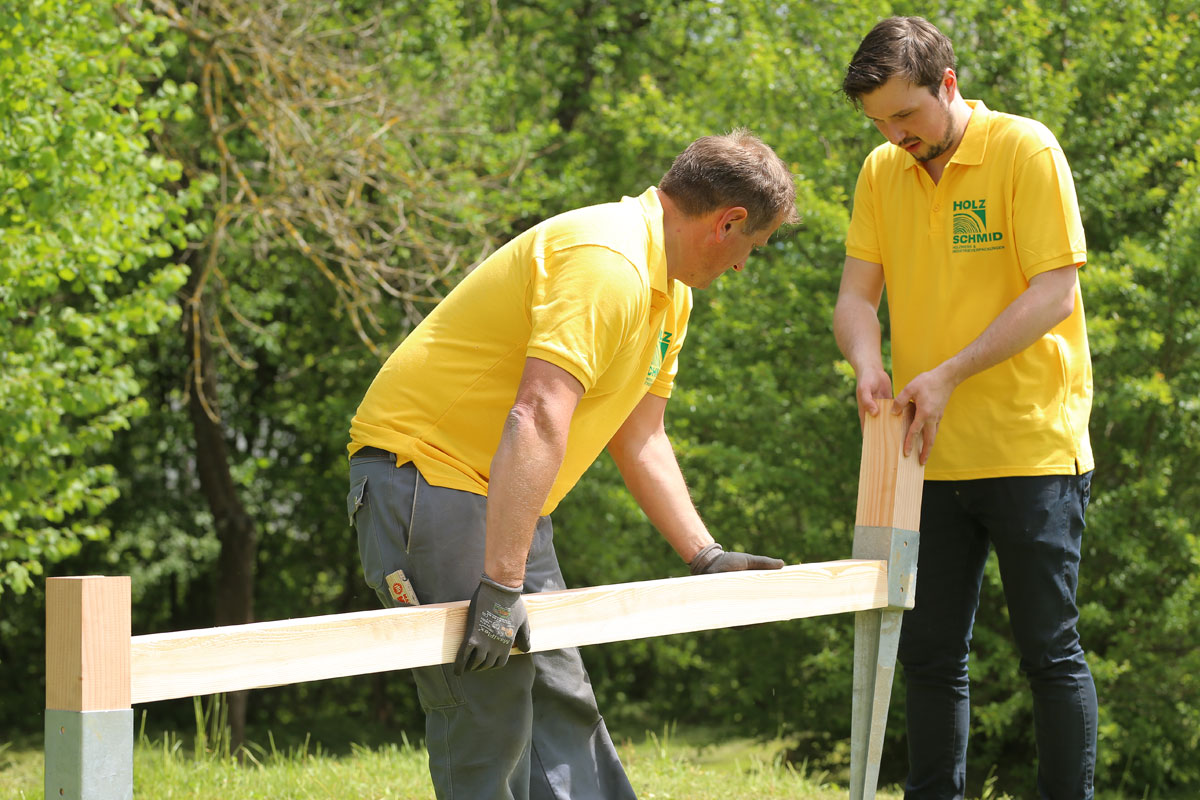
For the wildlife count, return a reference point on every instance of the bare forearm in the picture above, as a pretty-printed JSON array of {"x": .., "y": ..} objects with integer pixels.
[
  {"x": 522, "y": 473},
  {"x": 856, "y": 320},
  {"x": 653, "y": 477},
  {"x": 856, "y": 329}
]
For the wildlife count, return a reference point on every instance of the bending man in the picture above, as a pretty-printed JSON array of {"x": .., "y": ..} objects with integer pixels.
[{"x": 561, "y": 344}]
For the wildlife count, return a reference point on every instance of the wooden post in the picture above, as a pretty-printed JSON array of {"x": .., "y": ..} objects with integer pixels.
[
  {"x": 885, "y": 527},
  {"x": 89, "y": 720}
]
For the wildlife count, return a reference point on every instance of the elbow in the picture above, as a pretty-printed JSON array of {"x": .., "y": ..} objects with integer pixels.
[
  {"x": 634, "y": 448},
  {"x": 624, "y": 451},
  {"x": 850, "y": 312},
  {"x": 842, "y": 322},
  {"x": 536, "y": 422},
  {"x": 617, "y": 450},
  {"x": 1066, "y": 307},
  {"x": 1057, "y": 292}
]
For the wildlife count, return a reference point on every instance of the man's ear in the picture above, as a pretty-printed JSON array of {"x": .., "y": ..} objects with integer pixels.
[
  {"x": 727, "y": 218},
  {"x": 949, "y": 83}
]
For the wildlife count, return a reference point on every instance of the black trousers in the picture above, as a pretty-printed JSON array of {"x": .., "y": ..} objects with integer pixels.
[{"x": 1035, "y": 525}]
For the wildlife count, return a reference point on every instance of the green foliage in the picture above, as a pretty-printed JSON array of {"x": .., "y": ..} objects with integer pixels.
[
  {"x": 393, "y": 195},
  {"x": 1147, "y": 289},
  {"x": 86, "y": 221},
  {"x": 505, "y": 113}
]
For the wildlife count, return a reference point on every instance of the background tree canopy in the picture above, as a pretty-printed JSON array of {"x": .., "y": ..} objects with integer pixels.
[{"x": 218, "y": 217}]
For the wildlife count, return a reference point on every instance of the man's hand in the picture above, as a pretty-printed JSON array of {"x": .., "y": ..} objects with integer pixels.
[
  {"x": 714, "y": 559},
  {"x": 496, "y": 619},
  {"x": 874, "y": 384},
  {"x": 929, "y": 393}
]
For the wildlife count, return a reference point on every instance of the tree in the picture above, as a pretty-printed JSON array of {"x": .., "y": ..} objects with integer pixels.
[
  {"x": 320, "y": 248},
  {"x": 340, "y": 180},
  {"x": 87, "y": 225}
]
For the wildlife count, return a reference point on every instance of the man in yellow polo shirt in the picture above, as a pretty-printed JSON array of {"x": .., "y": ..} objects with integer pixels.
[
  {"x": 969, "y": 218},
  {"x": 562, "y": 343}
]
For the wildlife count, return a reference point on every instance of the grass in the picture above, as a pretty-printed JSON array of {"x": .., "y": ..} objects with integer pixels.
[
  {"x": 662, "y": 766},
  {"x": 667, "y": 766}
]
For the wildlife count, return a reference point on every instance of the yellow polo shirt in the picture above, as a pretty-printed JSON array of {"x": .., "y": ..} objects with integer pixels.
[
  {"x": 586, "y": 291},
  {"x": 954, "y": 255}
]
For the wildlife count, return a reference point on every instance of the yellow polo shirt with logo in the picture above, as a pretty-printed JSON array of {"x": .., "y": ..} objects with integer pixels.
[
  {"x": 957, "y": 253},
  {"x": 586, "y": 291}
]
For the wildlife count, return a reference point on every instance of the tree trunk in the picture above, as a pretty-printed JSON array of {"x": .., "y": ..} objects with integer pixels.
[{"x": 234, "y": 584}]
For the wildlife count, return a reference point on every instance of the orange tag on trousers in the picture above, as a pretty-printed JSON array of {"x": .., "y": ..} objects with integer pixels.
[{"x": 401, "y": 589}]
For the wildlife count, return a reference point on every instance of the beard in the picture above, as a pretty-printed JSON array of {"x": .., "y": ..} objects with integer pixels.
[{"x": 946, "y": 142}]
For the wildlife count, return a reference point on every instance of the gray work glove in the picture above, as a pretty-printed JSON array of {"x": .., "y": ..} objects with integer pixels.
[
  {"x": 714, "y": 559},
  {"x": 496, "y": 619}
]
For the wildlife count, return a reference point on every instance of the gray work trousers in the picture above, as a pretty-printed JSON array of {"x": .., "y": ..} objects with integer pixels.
[{"x": 528, "y": 730}]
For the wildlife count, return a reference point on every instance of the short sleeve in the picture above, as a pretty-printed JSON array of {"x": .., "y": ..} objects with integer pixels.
[
  {"x": 587, "y": 301},
  {"x": 1047, "y": 230},
  {"x": 674, "y": 331},
  {"x": 862, "y": 240}
]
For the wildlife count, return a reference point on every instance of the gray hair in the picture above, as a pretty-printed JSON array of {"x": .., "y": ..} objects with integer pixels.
[{"x": 733, "y": 169}]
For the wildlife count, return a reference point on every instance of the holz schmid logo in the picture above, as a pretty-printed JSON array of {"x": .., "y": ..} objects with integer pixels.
[{"x": 971, "y": 234}]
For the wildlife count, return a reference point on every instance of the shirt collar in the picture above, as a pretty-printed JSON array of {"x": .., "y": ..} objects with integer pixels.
[
  {"x": 974, "y": 142},
  {"x": 657, "y": 255}
]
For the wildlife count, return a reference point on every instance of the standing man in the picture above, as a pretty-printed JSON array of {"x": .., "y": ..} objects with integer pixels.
[
  {"x": 562, "y": 343},
  {"x": 969, "y": 218}
]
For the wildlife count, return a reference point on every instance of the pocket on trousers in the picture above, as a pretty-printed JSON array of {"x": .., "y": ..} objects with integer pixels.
[
  {"x": 368, "y": 546},
  {"x": 438, "y": 688},
  {"x": 356, "y": 498}
]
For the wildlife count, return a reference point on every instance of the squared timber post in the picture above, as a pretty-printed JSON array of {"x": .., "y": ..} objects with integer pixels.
[
  {"x": 885, "y": 527},
  {"x": 89, "y": 719}
]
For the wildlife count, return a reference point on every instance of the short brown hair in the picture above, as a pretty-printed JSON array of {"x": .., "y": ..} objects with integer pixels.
[
  {"x": 733, "y": 169},
  {"x": 910, "y": 47}
]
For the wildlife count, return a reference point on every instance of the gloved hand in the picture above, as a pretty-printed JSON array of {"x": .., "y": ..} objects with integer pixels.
[
  {"x": 714, "y": 559},
  {"x": 496, "y": 619}
]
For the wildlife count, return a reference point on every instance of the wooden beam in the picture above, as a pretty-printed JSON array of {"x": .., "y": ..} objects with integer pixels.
[
  {"x": 261, "y": 654},
  {"x": 87, "y": 643}
]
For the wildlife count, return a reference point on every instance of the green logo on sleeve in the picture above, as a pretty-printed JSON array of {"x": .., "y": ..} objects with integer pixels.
[{"x": 664, "y": 342}]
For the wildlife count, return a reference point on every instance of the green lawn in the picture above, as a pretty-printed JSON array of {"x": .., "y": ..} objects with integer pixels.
[{"x": 661, "y": 766}]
